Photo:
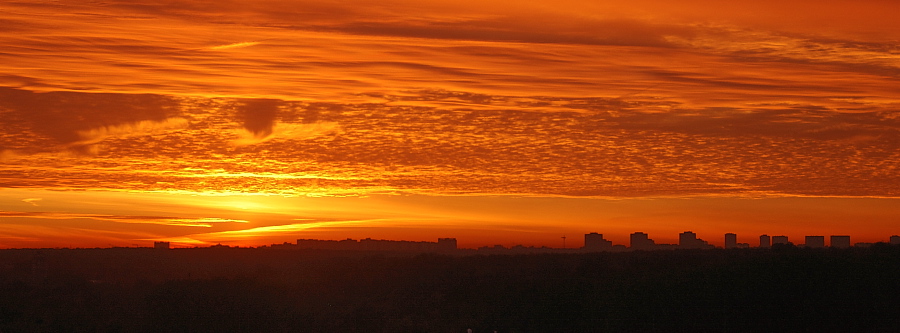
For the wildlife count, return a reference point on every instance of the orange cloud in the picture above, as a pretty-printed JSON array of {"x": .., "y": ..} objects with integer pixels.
[
  {"x": 143, "y": 127},
  {"x": 234, "y": 45},
  {"x": 33, "y": 201},
  {"x": 270, "y": 234},
  {"x": 182, "y": 222},
  {"x": 285, "y": 131}
]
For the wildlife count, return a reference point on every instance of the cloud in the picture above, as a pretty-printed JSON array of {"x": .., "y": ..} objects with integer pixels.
[
  {"x": 277, "y": 231},
  {"x": 206, "y": 222},
  {"x": 32, "y": 201},
  {"x": 447, "y": 97},
  {"x": 259, "y": 115},
  {"x": 528, "y": 29},
  {"x": 8, "y": 154},
  {"x": 880, "y": 58},
  {"x": 285, "y": 131},
  {"x": 565, "y": 21},
  {"x": 35, "y": 121},
  {"x": 139, "y": 128},
  {"x": 234, "y": 45}
]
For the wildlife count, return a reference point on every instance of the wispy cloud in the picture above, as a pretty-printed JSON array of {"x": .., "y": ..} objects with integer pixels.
[
  {"x": 171, "y": 221},
  {"x": 270, "y": 232},
  {"x": 234, "y": 45},
  {"x": 33, "y": 201},
  {"x": 285, "y": 131},
  {"x": 143, "y": 127}
]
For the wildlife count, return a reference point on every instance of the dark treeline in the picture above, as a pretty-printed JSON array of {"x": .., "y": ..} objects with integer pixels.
[{"x": 268, "y": 290}]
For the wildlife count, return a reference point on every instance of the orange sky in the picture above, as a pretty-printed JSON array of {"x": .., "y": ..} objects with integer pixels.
[{"x": 496, "y": 122}]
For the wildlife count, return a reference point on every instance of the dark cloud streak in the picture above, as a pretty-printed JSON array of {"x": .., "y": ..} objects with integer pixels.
[
  {"x": 60, "y": 116},
  {"x": 258, "y": 115}
]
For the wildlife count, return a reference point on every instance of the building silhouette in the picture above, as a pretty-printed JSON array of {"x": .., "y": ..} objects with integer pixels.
[
  {"x": 161, "y": 245},
  {"x": 817, "y": 242},
  {"x": 780, "y": 240},
  {"x": 595, "y": 242},
  {"x": 765, "y": 241},
  {"x": 640, "y": 241},
  {"x": 841, "y": 242},
  {"x": 689, "y": 240},
  {"x": 731, "y": 241},
  {"x": 446, "y": 244},
  {"x": 368, "y": 244}
]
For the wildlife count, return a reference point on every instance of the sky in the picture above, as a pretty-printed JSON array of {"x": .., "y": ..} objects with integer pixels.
[{"x": 250, "y": 123}]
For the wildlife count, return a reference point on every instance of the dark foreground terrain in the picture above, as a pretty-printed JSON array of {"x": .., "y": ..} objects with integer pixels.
[{"x": 271, "y": 290}]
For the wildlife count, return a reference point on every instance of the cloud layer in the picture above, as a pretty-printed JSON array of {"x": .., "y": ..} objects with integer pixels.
[{"x": 583, "y": 98}]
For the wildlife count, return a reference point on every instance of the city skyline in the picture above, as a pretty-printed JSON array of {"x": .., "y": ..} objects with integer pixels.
[
  {"x": 244, "y": 123},
  {"x": 284, "y": 288},
  {"x": 592, "y": 242}
]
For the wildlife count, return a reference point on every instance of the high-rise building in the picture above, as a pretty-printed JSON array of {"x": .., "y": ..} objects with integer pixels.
[
  {"x": 780, "y": 240},
  {"x": 765, "y": 241},
  {"x": 161, "y": 245},
  {"x": 640, "y": 241},
  {"x": 895, "y": 240},
  {"x": 841, "y": 242},
  {"x": 730, "y": 241},
  {"x": 689, "y": 240},
  {"x": 815, "y": 241},
  {"x": 446, "y": 244},
  {"x": 595, "y": 242}
]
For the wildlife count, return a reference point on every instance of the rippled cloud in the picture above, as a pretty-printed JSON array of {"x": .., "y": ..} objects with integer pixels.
[{"x": 322, "y": 98}]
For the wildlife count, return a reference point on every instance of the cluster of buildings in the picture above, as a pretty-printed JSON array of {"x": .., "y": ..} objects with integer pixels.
[
  {"x": 688, "y": 240},
  {"x": 368, "y": 244},
  {"x": 641, "y": 241},
  {"x": 593, "y": 242}
]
